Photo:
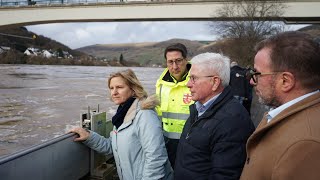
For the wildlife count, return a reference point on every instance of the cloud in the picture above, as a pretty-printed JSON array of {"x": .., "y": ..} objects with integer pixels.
[{"x": 77, "y": 35}]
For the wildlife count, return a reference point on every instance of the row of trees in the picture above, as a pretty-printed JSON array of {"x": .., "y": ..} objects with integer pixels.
[{"x": 16, "y": 57}]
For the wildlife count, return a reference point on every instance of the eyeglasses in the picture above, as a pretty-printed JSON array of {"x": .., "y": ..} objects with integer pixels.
[
  {"x": 253, "y": 74},
  {"x": 193, "y": 79},
  {"x": 178, "y": 62}
]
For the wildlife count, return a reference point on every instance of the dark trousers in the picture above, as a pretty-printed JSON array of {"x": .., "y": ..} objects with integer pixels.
[{"x": 171, "y": 145}]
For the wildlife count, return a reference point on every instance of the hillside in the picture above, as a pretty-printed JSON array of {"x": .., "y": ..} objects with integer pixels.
[
  {"x": 313, "y": 30},
  {"x": 19, "y": 39},
  {"x": 130, "y": 54},
  {"x": 144, "y": 54},
  {"x": 39, "y": 42},
  {"x": 151, "y": 53}
]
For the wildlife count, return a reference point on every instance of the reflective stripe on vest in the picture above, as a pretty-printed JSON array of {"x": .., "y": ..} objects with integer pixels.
[
  {"x": 173, "y": 111},
  {"x": 172, "y": 135},
  {"x": 173, "y": 124},
  {"x": 177, "y": 116}
]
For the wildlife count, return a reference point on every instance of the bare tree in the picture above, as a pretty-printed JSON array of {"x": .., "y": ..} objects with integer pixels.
[{"x": 251, "y": 22}]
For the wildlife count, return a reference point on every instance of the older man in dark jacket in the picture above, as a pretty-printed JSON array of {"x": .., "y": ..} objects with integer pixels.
[{"x": 212, "y": 145}]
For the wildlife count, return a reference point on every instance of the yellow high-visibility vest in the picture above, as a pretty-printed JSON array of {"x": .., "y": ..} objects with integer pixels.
[{"x": 175, "y": 99}]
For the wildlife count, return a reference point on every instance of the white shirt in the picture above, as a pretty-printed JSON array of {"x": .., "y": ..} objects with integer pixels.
[{"x": 274, "y": 112}]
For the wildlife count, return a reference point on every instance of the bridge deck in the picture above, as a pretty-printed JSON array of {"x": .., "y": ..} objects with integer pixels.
[{"x": 296, "y": 12}]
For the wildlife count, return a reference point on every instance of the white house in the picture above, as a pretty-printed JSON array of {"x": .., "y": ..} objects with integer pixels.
[
  {"x": 66, "y": 54},
  {"x": 47, "y": 54},
  {"x": 4, "y": 49},
  {"x": 29, "y": 52}
]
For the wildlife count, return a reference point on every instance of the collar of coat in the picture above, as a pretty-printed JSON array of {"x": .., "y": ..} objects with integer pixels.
[
  {"x": 168, "y": 78},
  {"x": 147, "y": 103},
  {"x": 295, "y": 108},
  {"x": 223, "y": 98}
]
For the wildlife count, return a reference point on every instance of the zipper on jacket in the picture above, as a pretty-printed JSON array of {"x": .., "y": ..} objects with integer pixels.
[
  {"x": 120, "y": 168},
  {"x": 197, "y": 120}
]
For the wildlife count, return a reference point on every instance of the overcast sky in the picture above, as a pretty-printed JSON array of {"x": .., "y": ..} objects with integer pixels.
[{"x": 76, "y": 35}]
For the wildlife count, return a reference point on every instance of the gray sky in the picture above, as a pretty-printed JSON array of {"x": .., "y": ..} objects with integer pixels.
[{"x": 76, "y": 35}]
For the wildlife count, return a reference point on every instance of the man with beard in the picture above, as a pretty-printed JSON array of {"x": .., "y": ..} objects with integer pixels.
[{"x": 286, "y": 143}]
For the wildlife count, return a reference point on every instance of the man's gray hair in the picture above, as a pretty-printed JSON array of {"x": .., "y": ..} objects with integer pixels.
[{"x": 214, "y": 63}]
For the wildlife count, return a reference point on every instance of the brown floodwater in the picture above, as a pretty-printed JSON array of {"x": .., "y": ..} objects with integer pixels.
[{"x": 38, "y": 103}]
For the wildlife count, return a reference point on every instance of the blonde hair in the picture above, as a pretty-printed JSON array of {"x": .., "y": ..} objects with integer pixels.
[{"x": 132, "y": 81}]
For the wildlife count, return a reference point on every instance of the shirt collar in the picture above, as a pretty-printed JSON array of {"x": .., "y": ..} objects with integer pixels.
[
  {"x": 274, "y": 112},
  {"x": 201, "y": 108}
]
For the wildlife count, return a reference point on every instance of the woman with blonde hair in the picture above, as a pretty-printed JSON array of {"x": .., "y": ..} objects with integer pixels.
[{"x": 136, "y": 141}]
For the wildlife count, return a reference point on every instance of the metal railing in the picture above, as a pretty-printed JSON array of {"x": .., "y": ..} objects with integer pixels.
[
  {"x": 61, "y": 157},
  {"x": 69, "y": 159}
]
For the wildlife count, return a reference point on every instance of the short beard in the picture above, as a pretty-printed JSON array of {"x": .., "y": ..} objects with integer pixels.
[{"x": 272, "y": 99}]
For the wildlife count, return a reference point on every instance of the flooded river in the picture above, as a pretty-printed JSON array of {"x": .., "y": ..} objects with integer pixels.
[{"x": 37, "y": 103}]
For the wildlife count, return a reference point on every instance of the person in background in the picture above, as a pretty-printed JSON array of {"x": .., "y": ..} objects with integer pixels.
[
  {"x": 286, "y": 76},
  {"x": 136, "y": 141},
  {"x": 213, "y": 141},
  {"x": 240, "y": 85},
  {"x": 175, "y": 97}
]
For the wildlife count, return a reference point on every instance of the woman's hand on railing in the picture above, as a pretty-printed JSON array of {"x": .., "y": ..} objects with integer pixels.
[{"x": 83, "y": 133}]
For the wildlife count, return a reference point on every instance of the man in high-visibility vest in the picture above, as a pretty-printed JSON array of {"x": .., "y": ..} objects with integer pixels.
[{"x": 175, "y": 97}]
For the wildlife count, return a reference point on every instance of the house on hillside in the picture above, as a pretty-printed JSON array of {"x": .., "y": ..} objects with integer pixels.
[
  {"x": 47, "y": 53},
  {"x": 66, "y": 54},
  {"x": 4, "y": 49},
  {"x": 30, "y": 52}
]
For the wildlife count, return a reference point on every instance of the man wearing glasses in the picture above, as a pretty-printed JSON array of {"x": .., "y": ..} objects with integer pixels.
[
  {"x": 286, "y": 143},
  {"x": 174, "y": 95},
  {"x": 213, "y": 141}
]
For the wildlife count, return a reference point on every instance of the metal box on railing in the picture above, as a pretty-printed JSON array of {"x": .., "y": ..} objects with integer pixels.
[{"x": 101, "y": 167}]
